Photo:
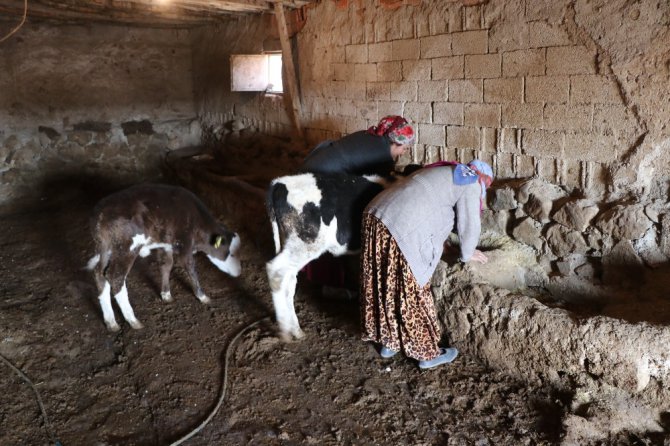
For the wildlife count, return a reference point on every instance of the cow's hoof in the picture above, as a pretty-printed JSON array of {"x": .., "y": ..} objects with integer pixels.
[
  {"x": 113, "y": 327},
  {"x": 298, "y": 334},
  {"x": 136, "y": 324},
  {"x": 204, "y": 299},
  {"x": 166, "y": 296}
]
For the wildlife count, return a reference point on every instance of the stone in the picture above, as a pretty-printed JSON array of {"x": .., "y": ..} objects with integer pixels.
[
  {"x": 501, "y": 199},
  {"x": 624, "y": 222},
  {"x": 655, "y": 209},
  {"x": 664, "y": 242},
  {"x": 539, "y": 208},
  {"x": 529, "y": 232},
  {"x": 576, "y": 214},
  {"x": 622, "y": 266},
  {"x": 563, "y": 241},
  {"x": 540, "y": 188},
  {"x": 648, "y": 249},
  {"x": 495, "y": 221},
  {"x": 569, "y": 263}
]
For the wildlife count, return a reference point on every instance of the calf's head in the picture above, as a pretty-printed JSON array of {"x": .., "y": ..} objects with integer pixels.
[{"x": 221, "y": 249}]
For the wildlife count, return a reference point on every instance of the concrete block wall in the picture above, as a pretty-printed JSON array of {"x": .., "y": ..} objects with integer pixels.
[
  {"x": 568, "y": 91},
  {"x": 503, "y": 81}
]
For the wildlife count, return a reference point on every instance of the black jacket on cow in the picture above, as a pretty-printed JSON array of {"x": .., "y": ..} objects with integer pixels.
[{"x": 359, "y": 153}]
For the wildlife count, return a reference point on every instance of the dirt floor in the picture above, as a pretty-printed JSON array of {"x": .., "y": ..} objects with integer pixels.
[{"x": 153, "y": 386}]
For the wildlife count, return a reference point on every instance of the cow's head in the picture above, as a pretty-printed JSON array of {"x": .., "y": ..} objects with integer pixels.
[{"x": 222, "y": 251}]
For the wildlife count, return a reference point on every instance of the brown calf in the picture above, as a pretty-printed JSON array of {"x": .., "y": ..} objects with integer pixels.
[{"x": 169, "y": 219}]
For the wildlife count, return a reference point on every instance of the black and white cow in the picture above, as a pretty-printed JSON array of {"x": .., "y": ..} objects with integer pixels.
[
  {"x": 168, "y": 219},
  {"x": 312, "y": 214}
]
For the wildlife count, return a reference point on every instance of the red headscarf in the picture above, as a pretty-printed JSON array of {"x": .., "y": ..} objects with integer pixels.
[{"x": 395, "y": 128}]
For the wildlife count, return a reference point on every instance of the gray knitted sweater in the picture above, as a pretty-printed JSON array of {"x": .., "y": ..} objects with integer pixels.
[{"x": 420, "y": 212}]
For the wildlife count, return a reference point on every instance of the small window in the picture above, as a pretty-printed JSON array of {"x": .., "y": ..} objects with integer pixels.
[{"x": 256, "y": 72}]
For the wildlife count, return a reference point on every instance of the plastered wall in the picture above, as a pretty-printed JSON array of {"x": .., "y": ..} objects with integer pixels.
[
  {"x": 217, "y": 105},
  {"x": 95, "y": 100}
]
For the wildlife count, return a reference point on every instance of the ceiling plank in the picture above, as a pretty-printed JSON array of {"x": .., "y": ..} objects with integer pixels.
[
  {"x": 165, "y": 19},
  {"x": 180, "y": 13}
]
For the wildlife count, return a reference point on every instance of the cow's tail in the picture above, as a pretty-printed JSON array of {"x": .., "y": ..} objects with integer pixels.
[{"x": 273, "y": 216}]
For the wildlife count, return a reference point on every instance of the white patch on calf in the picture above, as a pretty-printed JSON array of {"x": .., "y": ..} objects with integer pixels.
[
  {"x": 144, "y": 243},
  {"x": 122, "y": 299},
  {"x": 139, "y": 240},
  {"x": 275, "y": 234},
  {"x": 302, "y": 189},
  {"x": 234, "y": 244},
  {"x": 376, "y": 179},
  {"x": 283, "y": 270},
  {"x": 105, "y": 299},
  {"x": 231, "y": 265},
  {"x": 146, "y": 250},
  {"x": 92, "y": 262}
]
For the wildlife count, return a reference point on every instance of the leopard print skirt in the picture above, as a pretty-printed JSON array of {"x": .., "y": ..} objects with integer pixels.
[{"x": 395, "y": 310}]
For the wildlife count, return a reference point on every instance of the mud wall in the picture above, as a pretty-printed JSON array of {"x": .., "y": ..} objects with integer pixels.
[
  {"x": 614, "y": 374},
  {"x": 102, "y": 100}
]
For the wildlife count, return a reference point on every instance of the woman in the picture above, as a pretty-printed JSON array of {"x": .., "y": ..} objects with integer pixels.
[
  {"x": 404, "y": 230},
  {"x": 371, "y": 151}
]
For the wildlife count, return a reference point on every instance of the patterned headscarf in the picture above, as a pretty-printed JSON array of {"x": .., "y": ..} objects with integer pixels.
[
  {"x": 395, "y": 128},
  {"x": 475, "y": 171},
  {"x": 483, "y": 171}
]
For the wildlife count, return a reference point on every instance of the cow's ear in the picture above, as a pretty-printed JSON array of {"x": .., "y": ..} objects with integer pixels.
[{"x": 217, "y": 240}]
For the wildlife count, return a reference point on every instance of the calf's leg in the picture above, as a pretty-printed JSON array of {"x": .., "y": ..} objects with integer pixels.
[
  {"x": 104, "y": 289},
  {"x": 117, "y": 272},
  {"x": 166, "y": 262},
  {"x": 189, "y": 264},
  {"x": 105, "y": 299}
]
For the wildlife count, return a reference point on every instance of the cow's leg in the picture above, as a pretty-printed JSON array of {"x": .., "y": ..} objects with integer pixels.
[
  {"x": 282, "y": 275},
  {"x": 119, "y": 267},
  {"x": 166, "y": 262},
  {"x": 189, "y": 264}
]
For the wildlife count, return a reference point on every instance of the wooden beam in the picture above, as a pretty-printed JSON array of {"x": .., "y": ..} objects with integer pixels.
[
  {"x": 40, "y": 12},
  {"x": 287, "y": 61}
]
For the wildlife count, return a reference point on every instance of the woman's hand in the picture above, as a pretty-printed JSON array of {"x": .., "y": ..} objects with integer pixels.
[{"x": 479, "y": 257}]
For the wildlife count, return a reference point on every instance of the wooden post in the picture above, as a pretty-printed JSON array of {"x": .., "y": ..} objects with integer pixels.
[{"x": 287, "y": 61}]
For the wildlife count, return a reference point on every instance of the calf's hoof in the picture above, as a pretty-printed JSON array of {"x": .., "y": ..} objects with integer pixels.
[
  {"x": 288, "y": 336},
  {"x": 113, "y": 327},
  {"x": 285, "y": 336},
  {"x": 204, "y": 299},
  {"x": 136, "y": 324},
  {"x": 166, "y": 296}
]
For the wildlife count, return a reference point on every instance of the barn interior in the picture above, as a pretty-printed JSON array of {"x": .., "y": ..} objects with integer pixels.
[{"x": 563, "y": 333}]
